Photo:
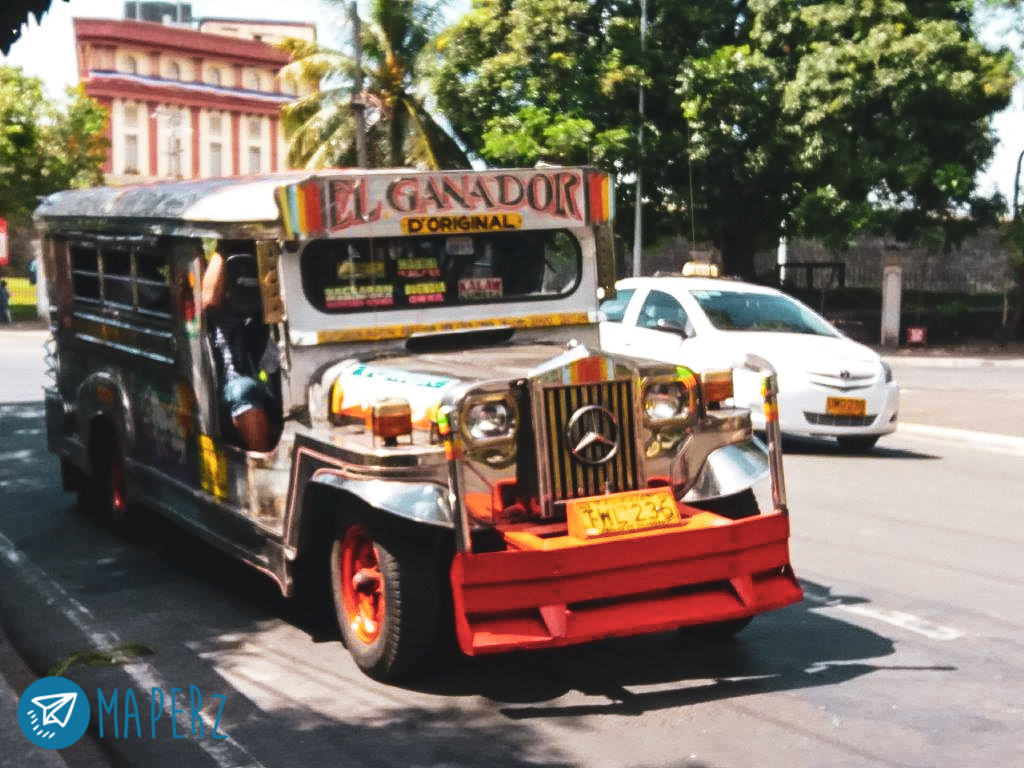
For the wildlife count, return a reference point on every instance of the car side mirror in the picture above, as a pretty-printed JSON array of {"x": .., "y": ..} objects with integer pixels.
[{"x": 674, "y": 326}]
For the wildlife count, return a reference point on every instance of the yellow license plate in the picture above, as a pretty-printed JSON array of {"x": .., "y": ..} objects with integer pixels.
[
  {"x": 846, "y": 406},
  {"x": 621, "y": 513}
]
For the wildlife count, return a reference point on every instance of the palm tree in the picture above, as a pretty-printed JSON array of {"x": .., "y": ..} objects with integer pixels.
[{"x": 400, "y": 130}]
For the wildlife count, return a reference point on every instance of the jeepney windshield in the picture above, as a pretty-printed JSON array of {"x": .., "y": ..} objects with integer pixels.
[{"x": 417, "y": 272}]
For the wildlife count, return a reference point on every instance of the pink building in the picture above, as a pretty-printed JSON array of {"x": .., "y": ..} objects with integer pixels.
[{"x": 185, "y": 103}]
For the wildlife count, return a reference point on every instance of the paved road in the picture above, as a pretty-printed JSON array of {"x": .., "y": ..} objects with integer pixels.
[
  {"x": 967, "y": 393},
  {"x": 906, "y": 651}
]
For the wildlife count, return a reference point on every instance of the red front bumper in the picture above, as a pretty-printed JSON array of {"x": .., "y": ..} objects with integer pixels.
[{"x": 555, "y": 592}]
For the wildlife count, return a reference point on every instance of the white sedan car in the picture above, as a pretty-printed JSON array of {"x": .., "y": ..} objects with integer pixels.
[{"x": 829, "y": 385}]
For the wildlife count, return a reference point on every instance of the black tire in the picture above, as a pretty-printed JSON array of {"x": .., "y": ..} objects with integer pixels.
[
  {"x": 858, "y": 444},
  {"x": 735, "y": 507},
  {"x": 719, "y": 631},
  {"x": 102, "y": 494},
  {"x": 387, "y": 602}
]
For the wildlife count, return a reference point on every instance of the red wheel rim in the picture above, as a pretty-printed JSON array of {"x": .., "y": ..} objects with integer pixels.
[
  {"x": 361, "y": 585},
  {"x": 117, "y": 497}
]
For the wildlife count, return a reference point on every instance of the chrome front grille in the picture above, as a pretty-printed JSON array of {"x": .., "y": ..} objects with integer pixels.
[
  {"x": 826, "y": 420},
  {"x": 575, "y": 467}
]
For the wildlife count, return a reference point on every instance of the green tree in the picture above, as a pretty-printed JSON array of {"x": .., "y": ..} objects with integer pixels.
[
  {"x": 558, "y": 80},
  {"x": 762, "y": 118},
  {"x": 400, "y": 128},
  {"x": 45, "y": 146},
  {"x": 848, "y": 116}
]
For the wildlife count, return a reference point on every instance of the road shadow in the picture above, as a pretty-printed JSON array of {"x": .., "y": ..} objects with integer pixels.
[
  {"x": 811, "y": 446},
  {"x": 436, "y": 718},
  {"x": 793, "y": 648}
]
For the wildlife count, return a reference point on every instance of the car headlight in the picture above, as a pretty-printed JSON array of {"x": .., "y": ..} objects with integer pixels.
[
  {"x": 669, "y": 399},
  {"x": 887, "y": 372},
  {"x": 664, "y": 401},
  {"x": 489, "y": 419}
]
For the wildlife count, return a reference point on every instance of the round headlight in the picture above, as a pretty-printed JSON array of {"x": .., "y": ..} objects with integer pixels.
[
  {"x": 665, "y": 401},
  {"x": 488, "y": 420}
]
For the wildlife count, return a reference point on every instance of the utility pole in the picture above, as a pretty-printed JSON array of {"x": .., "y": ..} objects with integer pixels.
[
  {"x": 638, "y": 236},
  {"x": 1016, "y": 187},
  {"x": 358, "y": 98}
]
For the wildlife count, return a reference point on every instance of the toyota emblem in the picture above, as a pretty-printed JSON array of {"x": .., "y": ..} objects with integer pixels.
[{"x": 593, "y": 435}]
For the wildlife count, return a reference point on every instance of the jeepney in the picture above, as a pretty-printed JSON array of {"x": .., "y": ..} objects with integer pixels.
[{"x": 456, "y": 454}]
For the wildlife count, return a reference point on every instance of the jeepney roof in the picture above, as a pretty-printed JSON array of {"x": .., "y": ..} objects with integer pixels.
[
  {"x": 293, "y": 204},
  {"x": 170, "y": 207},
  {"x": 223, "y": 200}
]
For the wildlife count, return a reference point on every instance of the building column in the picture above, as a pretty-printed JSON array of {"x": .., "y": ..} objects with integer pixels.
[
  {"x": 194, "y": 113},
  {"x": 154, "y": 149},
  {"x": 273, "y": 147},
  {"x": 108, "y": 133},
  {"x": 236, "y": 135}
]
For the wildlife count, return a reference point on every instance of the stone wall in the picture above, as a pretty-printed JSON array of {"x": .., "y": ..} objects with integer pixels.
[{"x": 980, "y": 265}]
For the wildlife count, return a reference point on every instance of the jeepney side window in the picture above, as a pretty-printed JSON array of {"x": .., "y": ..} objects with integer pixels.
[
  {"x": 152, "y": 282},
  {"x": 344, "y": 275},
  {"x": 439, "y": 270},
  {"x": 117, "y": 277},
  {"x": 85, "y": 273}
]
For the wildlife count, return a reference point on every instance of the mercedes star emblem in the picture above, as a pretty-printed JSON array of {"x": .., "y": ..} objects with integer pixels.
[{"x": 593, "y": 435}]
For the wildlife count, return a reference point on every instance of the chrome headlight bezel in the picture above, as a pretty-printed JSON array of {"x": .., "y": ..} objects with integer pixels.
[
  {"x": 669, "y": 400},
  {"x": 488, "y": 419}
]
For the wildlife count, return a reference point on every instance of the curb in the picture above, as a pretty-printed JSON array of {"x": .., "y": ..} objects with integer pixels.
[
  {"x": 956, "y": 362},
  {"x": 15, "y": 677},
  {"x": 988, "y": 439}
]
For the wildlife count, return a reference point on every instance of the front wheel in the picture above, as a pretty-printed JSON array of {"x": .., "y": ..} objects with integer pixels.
[
  {"x": 387, "y": 602},
  {"x": 717, "y": 632},
  {"x": 736, "y": 506}
]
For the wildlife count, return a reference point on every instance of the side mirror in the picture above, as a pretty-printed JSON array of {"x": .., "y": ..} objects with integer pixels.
[{"x": 674, "y": 326}]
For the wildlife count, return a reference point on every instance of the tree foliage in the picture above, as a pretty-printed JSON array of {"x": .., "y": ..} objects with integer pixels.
[
  {"x": 14, "y": 14},
  {"x": 45, "y": 146},
  {"x": 400, "y": 129},
  {"x": 762, "y": 118}
]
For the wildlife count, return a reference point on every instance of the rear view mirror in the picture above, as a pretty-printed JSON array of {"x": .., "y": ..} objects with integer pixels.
[{"x": 674, "y": 326}]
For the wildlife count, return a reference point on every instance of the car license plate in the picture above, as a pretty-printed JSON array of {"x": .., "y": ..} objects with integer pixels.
[
  {"x": 621, "y": 513},
  {"x": 846, "y": 406}
]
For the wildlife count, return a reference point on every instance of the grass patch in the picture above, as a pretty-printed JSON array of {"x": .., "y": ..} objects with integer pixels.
[
  {"x": 23, "y": 298},
  {"x": 119, "y": 654}
]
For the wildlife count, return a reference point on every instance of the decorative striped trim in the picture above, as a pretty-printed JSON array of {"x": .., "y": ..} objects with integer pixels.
[{"x": 385, "y": 332}]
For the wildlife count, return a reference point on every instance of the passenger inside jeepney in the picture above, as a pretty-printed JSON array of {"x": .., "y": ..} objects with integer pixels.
[{"x": 241, "y": 345}]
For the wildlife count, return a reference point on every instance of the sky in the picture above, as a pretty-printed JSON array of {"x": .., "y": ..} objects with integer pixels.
[{"x": 47, "y": 51}]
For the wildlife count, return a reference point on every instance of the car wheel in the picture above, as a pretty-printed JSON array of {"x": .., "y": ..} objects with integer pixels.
[
  {"x": 386, "y": 600},
  {"x": 102, "y": 494},
  {"x": 857, "y": 444},
  {"x": 718, "y": 631},
  {"x": 735, "y": 507}
]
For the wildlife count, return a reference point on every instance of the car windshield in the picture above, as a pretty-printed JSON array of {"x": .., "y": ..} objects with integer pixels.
[
  {"x": 434, "y": 270},
  {"x": 738, "y": 311},
  {"x": 614, "y": 309}
]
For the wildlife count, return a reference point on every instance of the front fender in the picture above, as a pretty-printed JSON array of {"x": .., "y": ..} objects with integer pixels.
[
  {"x": 730, "y": 469},
  {"x": 415, "y": 501}
]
